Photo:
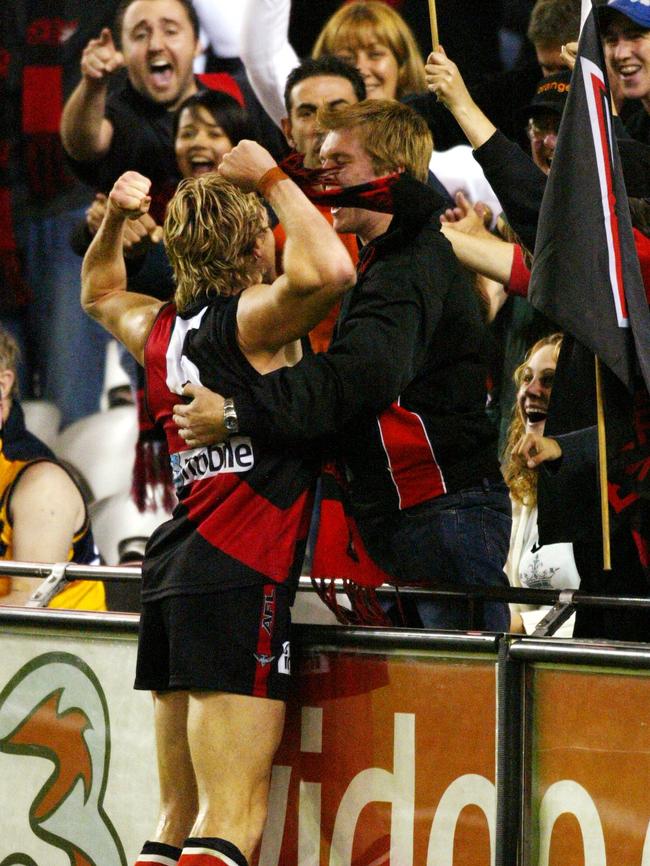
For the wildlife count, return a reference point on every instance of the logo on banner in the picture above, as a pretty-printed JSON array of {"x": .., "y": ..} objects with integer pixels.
[{"x": 54, "y": 708}]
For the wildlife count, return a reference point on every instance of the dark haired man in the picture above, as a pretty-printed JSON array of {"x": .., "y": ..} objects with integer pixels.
[
  {"x": 131, "y": 129},
  {"x": 552, "y": 24},
  {"x": 326, "y": 82}
]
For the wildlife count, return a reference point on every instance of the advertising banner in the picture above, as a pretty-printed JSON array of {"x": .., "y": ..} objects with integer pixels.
[
  {"x": 78, "y": 782},
  {"x": 387, "y": 758},
  {"x": 590, "y": 766}
]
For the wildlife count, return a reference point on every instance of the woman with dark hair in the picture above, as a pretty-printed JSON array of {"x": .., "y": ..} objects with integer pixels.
[{"x": 209, "y": 123}]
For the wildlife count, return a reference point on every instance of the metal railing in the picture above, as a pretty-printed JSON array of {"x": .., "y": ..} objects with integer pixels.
[{"x": 562, "y": 603}]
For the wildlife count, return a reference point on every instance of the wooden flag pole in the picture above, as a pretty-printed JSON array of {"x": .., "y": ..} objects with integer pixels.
[
  {"x": 602, "y": 469},
  {"x": 433, "y": 18}
]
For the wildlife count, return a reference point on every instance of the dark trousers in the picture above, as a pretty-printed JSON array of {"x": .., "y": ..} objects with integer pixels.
[{"x": 456, "y": 540}]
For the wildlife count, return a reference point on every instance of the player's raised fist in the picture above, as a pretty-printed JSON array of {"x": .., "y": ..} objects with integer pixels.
[
  {"x": 130, "y": 195},
  {"x": 245, "y": 164}
]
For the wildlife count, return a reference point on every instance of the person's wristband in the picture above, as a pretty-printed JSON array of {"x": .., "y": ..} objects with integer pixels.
[
  {"x": 269, "y": 179},
  {"x": 230, "y": 420}
]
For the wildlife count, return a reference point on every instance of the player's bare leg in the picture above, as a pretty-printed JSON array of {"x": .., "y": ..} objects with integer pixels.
[{"x": 233, "y": 739}]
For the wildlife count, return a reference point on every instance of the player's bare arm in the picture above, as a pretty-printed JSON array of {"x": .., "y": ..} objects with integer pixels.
[
  {"x": 127, "y": 315},
  {"x": 317, "y": 267}
]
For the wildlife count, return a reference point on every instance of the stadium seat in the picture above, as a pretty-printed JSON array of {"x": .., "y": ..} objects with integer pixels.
[
  {"x": 42, "y": 418},
  {"x": 102, "y": 448},
  {"x": 120, "y": 529}
]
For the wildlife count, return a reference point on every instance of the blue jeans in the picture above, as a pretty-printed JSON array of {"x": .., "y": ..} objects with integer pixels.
[
  {"x": 457, "y": 540},
  {"x": 68, "y": 348}
]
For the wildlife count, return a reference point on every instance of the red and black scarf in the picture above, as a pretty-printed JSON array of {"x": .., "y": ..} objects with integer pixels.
[
  {"x": 397, "y": 193},
  {"x": 340, "y": 562},
  {"x": 14, "y": 291}
]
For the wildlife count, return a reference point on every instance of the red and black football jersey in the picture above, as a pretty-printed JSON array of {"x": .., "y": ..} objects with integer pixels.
[{"x": 244, "y": 508}]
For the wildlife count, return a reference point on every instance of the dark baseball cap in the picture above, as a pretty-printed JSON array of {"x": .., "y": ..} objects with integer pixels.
[
  {"x": 636, "y": 10},
  {"x": 550, "y": 94}
]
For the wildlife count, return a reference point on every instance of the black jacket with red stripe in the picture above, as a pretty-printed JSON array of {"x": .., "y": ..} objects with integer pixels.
[
  {"x": 403, "y": 386},
  {"x": 244, "y": 508}
]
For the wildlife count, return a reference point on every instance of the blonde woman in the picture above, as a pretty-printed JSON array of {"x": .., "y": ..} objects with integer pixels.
[
  {"x": 375, "y": 38},
  {"x": 530, "y": 565}
]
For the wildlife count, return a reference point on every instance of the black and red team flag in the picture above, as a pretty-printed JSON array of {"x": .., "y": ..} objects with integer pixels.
[
  {"x": 586, "y": 274},
  {"x": 586, "y": 278}
]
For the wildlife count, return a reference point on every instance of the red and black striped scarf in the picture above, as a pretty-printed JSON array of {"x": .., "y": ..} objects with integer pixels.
[
  {"x": 340, "y": 562},
  {"x": 42, "y": 97},
  {"x": 396, "y": 193},
  {"x": 30, "y": 65},
  {"x": 14, "y": 292}
]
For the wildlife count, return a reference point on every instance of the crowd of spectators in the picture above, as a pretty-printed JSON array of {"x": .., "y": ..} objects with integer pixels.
[{"x": 90, "y": 91}]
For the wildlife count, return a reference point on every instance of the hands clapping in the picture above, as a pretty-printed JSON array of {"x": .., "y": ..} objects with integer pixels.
[{"x": 472, "y": 219}]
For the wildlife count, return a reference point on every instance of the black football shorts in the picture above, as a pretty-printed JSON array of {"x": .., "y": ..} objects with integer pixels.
[{"x": 233, "y": 640}]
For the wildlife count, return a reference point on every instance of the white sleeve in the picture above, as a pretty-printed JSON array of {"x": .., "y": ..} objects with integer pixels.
[
  {"x": 455, "y": 171},
  {"x": 222, "y": 20},
  {"x": 266, "y": 52}
]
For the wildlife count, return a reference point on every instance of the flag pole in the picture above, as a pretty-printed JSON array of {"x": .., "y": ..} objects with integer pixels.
[
  {"x": 433, "y": 19},
  {"x": 602, "y": 468}
]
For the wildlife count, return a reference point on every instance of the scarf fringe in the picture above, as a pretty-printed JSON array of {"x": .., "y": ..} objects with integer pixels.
[
  {"x": 152, "y": 485},
  {"x": 365, "y": 606}
]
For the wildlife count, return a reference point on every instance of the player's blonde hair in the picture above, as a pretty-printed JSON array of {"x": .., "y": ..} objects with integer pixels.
[{"x": 210, "y": 231}]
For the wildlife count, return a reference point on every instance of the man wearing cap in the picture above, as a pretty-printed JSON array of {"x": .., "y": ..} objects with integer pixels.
[
  {"x": 625, "y": 28},
  {"x": 544, "y": 114}
]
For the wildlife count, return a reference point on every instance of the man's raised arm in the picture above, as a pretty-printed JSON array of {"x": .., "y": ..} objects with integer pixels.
[
  {"x": 127, "y": 315},
  {"x": 85, "y": 132},
  {"x": 317, "y": 269}
]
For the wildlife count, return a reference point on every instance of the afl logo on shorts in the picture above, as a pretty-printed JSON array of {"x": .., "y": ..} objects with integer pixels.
[{"x": 235, "y": 455}]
